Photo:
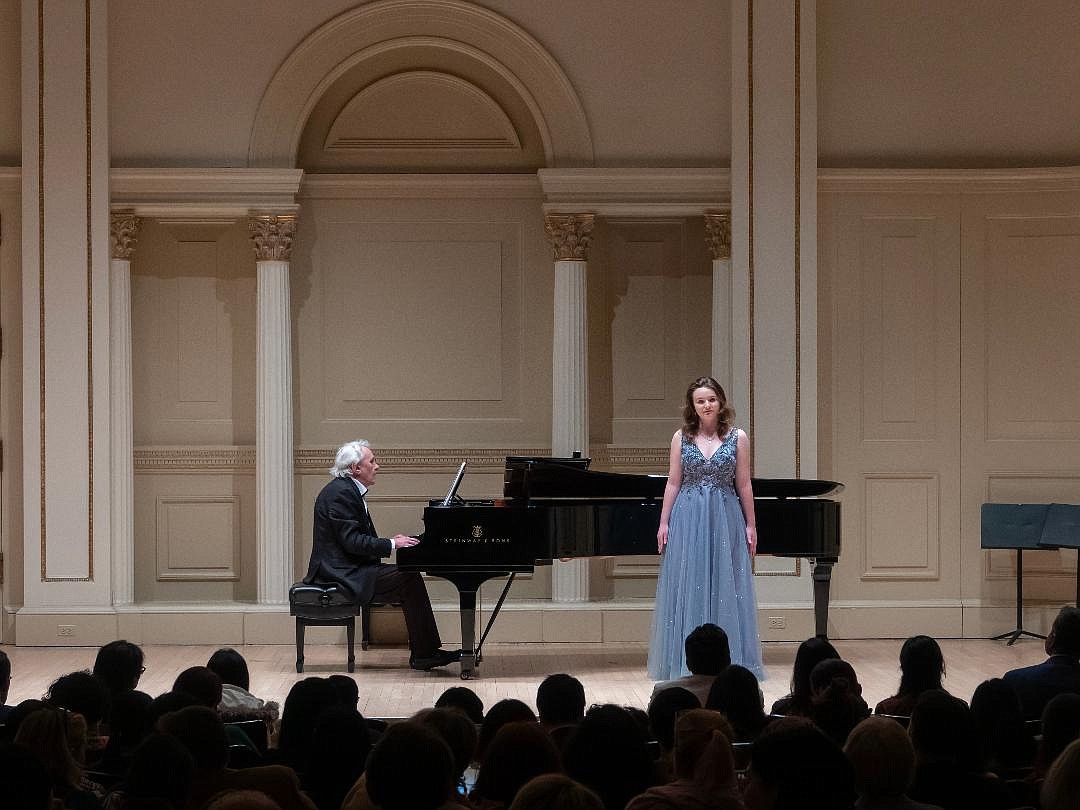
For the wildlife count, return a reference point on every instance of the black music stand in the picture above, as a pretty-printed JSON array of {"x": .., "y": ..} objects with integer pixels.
[
  {"x": 1016, "y": 526},
  {"x": 1062, "y": 530}
]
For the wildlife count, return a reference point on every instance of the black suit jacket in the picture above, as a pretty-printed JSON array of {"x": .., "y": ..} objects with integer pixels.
[{"x": 345, "y": 548}]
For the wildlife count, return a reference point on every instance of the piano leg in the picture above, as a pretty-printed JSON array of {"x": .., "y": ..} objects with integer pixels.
[
  {"x": 468, "y": 632},
  {"x": 822, "y": 580}
]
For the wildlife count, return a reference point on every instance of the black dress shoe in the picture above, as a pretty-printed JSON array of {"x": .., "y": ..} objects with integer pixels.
[{"x": 439, "y": 658}]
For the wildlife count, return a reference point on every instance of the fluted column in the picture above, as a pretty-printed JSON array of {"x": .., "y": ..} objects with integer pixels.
[
  {"x": 570, "y": 235},
  {"x": 272, "y": 236},
  {"x": 718, "y": 239},
  {"x": 123, "y": 234}
]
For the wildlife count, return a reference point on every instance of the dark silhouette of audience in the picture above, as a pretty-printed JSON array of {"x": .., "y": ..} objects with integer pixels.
[
  {"x": 1058, "y": 674},
  {"x": 236, "y": 702},
  {"x": 1061, "y": 789},
  {"x": 554, "y": 791},
  {"x": 505, "y": 711},
  {"x": 464, "y": 698},
  {"x": 1060, "y": 726},
  {"x": 161, "y": 773},
  {"x": 664, "y": 709},
  {"x": 922, "y": 667},
  {"x": 25, "y": 782},
  {"x": 837, "y": 705},
  {"x": 882, "y": 764},
  {"x": 608, "y": 753},
  {"x": 119, "y": 665},
  {"x": 560, "y": 701},
  {"x": 736, "y": 694},
  {"x": 305, "y": 702},
  {"x": 1005, "y": 745},
  {"x": 707, "y": 653},
  {"x": 518, "y": 752},
  {"x": 810, "y": 653},
  {"x": 410, "y": 768},
  {"x": 5, "y": 685},
  {"x": 794, "y": 766}
]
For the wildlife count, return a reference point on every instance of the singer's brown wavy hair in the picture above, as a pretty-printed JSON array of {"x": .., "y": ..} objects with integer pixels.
[{"x": 691, "y": 423}]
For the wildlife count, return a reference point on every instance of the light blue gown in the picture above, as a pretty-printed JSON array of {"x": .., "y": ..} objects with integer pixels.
[{"x": 705, "y": 571}]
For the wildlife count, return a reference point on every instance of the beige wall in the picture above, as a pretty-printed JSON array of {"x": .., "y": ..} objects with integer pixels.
[
  {"x": 10, "y": 84},
  {"x": 11, "y": 518}
]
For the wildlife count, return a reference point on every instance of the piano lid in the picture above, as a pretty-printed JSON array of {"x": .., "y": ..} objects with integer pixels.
[{"x": 794, "y": 487}]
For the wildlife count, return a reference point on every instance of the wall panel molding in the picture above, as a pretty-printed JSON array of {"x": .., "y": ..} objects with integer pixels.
[{"x": 198, "y": 538}]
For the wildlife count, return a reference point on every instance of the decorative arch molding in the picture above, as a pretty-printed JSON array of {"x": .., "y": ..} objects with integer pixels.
[{"x": 476, "y": 32}]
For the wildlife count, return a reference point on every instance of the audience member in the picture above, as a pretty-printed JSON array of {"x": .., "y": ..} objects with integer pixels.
[
  {"x": 1060, "y": 726},
  {"x": 410, "y": 768},
  {"x": 883, "y": 764},
  {"x": 82, "y": 693},
  {"x": 129, "y": 724},
  {"x": 560, "y": 702},
  {"x": 1060, "y": 673},
  {"x": 5, "y": 686},
  {"x": 794, "y": 766},
  {"x": 305, "y": 702},
  {"x": 948, "y": 770},
  {"x": 339, "y": 748},
  {"x": 922, "y": 667},
  {"x": 243, "y": 800},
  {"x": 457, "y": 731},
  {"x": 664, "y": 708},
  {"x": 837, "y": 705},
  {"x": 704, "y": 768},
  {"x": 161, "y": 770},
  {"x": 608, "y": 753},
  {"x": 26, "y": 783},
  {"x": 347, "y": 689},
  {"x": 57, "y": 737},
  {"x": 202, "y": 684},
  {"x": 735, "y": 693},
  {"x": 237, "y": 703},
  {"x": 810, "y": 653},
  {"x": 202, "y": 732},
  {"x": 119, "y": 665},
  {"x": 518, "y": 752},
  {"x": 169, "y": 702},
  {"x": 1061, "y": 789},
  {"x": 707, "y": 653},
  {"x": 1005, "y": 745},
  {"x": 505, "y": 711},
  {"x": 464, "y": 698},
  {"x": 556, "y": 791}
]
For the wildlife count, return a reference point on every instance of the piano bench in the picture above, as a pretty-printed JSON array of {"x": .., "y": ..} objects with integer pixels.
[{"x": 321, "y": 606}]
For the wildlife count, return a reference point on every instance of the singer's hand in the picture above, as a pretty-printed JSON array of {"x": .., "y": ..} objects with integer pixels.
[
  {"x": 661, "y": 538},
  {"x": 404, "y": 541}
]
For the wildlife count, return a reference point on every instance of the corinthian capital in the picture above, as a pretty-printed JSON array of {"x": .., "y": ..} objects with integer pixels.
[
  {"x": 272, "y": 235},
  {"x": 718, "y": 233},
  {"x": 570, "y": 235},
  {"x": 123, "y": 234}
]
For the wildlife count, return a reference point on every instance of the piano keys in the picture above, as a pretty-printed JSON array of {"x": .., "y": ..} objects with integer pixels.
[{"x": 556, "y": 508}]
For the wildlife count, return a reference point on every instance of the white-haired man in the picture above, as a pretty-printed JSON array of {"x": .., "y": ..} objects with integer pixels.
[{"x": 346, "y": 550}]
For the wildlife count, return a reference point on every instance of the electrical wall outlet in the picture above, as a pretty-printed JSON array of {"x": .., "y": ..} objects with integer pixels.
[
  {"x": 66, "y": 630},
  {"x": 777, "y": 623}
]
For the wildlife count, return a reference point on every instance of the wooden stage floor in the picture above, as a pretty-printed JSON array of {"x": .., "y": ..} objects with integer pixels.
[{"x": 611, "y": 673}]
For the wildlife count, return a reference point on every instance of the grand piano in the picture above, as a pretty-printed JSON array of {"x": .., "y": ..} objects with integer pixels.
[{"x": 557, "y": 508}]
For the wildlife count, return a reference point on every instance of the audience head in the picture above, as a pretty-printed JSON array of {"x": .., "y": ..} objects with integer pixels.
[
  {"x": 518, "y": 752},
  {"x": 836, "y": 704},
  {"x": 82, "y": 693},
  {"x": 921, "y": 665},
  {"x": 608, "y": 753},
  {"x": 1060, "y": 726},
  {"x": 340, "y": 745},
  {"x": 664, "y": 708},
  {"x": 465, "y": 699},
  {"x": 999, "y": 724},
  {"x": 201, "y": 731},
  {"x": 457, "y": 730},
  {"x": 505, "y": 711},
  {"x": 5, "y": 677},
  {"x": 348, "y": 691},
  {"x": 162, "y": 769},
  {"x": 707, "y": 650},
  {"x": 882, "y": 759},
  {"x": 119, "y": 665},
  {"x": 202, "y": 684},
  {"x": 794, "y": 766},
  {"x": 230, "y": 667},
  {"x": 50, "y": 733},
  {"x": 555, "y": 791},
  {"x": 305, "y": 702},
  {"x": 242, "y": 800},
  {"x": 26, "y": 782},
  {"x": 736, "y": 694},
  {"x": 410, "y": 768},
  {"x": 560, "y": 700},
  {"x": 943, "y": 731},
  {"x": 703, "y": 747},
  {"x": 169, "y": 702},
  {"x": 1064, "y": 636},
  {"x": 1061, "y": 788},
  {"x": 129, "y": 720},
  {"x": 810, "y": 653},
  {"x": 22, "y": 711}
]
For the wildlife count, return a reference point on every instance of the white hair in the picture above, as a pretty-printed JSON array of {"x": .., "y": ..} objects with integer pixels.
[{"x": 348, "y": 454}]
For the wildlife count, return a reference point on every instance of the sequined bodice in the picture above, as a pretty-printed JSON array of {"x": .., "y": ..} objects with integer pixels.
[{"x": 716, "y": 471}]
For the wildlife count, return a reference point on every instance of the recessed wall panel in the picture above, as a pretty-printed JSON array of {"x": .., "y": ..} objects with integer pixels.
[
  {"x": 901, "y": 527},
  {"x": 198, "y": 538}
]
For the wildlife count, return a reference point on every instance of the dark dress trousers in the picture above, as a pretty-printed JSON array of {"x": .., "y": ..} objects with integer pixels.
[{"x": 347, "y": 551}]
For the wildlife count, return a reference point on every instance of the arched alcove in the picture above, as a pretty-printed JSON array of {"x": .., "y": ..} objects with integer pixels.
[{"x": 477, "y": 52}]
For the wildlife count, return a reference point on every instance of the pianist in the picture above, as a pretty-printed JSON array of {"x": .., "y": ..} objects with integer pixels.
[{"x": 346, "y": 550}]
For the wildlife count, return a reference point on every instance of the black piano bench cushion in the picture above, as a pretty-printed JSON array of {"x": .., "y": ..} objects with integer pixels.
[{"x": 326, "y": 602}]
